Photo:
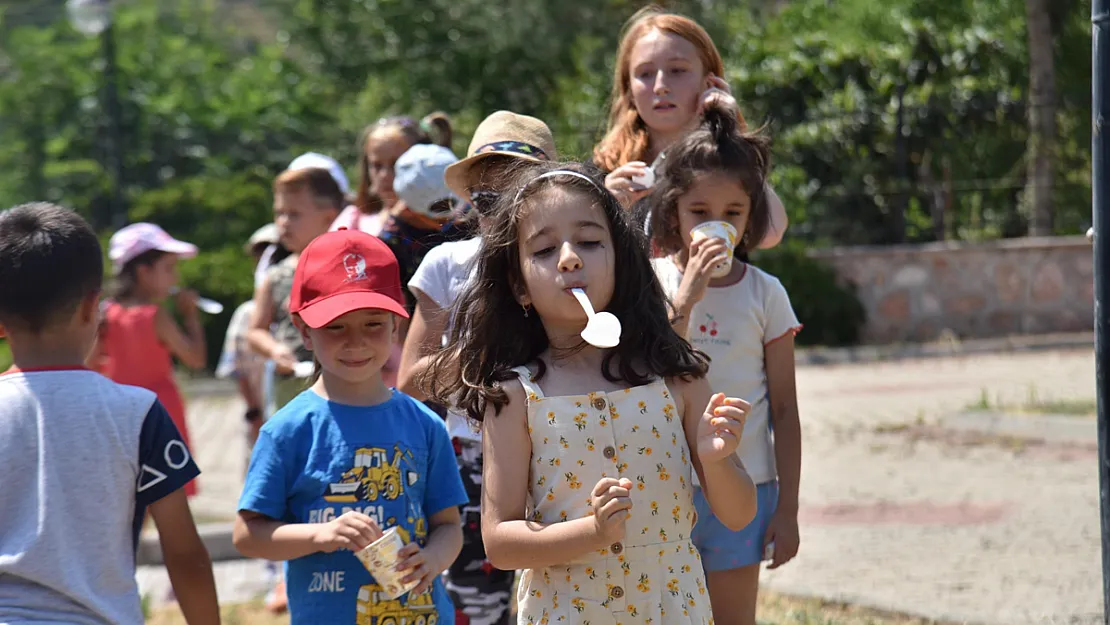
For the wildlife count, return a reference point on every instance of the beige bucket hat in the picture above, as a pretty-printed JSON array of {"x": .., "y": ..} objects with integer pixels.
[{"x": 505, "y": 133}]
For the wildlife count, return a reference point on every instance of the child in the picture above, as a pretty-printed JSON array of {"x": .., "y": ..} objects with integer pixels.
[
  {"x": 238, "y": 360},
  {"x": 500, "y": 142},
  {"x": 83, "y": 458},
  {"x": 383, "y": 142},
  {"x": 138, "y": 336},
  {"x": 350, "y": 457},
  {"x": 589, "y": 453},
  {"x": 306, "y": 202},
  {"x": 744, "y": 322}
]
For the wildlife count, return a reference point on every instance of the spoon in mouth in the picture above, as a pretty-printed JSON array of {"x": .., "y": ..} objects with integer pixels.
[{"x": 603, "y": 329}]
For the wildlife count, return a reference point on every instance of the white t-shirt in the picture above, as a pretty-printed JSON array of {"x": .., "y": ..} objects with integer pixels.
[
  {"x": 733, "y": 324},
  {"x": 442, "y": 276}
]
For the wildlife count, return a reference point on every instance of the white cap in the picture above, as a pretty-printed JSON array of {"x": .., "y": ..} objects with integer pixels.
[
  {"x": 314, "y": 160},
  {"x": 418, "y": 178},
  {"x": 140, "y": 238}
]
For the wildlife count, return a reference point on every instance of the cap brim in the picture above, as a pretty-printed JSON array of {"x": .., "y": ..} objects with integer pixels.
[
  {"x": 457, "y": 175},
  {"x": 181, "y": 248},
  {"x": 322, "y": 312}
]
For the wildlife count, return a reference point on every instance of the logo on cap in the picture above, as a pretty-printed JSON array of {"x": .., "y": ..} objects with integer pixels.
[{"x": 355, "y": 265}]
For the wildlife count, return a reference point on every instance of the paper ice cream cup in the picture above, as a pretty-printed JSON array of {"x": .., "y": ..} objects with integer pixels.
[
  {"x": 718, "y": 230},
  {"x": 381, "y": 559}
]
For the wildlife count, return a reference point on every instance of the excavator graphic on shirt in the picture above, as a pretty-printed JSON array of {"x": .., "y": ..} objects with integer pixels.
[{"x": 372, "y": 476}]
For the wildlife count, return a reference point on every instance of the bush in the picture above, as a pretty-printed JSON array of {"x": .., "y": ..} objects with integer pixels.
[
  {"x": 5, "y": 356},
  {"x": 831, "y": 312}
]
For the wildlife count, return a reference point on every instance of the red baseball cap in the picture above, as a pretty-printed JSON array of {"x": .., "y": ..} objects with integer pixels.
[{"x": 343, "y": 271}]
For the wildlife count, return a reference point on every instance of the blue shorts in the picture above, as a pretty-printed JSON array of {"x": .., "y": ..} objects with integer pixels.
[{"x": 723, "y": 549}]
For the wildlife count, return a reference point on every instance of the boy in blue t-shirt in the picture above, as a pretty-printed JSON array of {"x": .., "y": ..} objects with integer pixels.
[
  {"x": 350, "y": 457},
  {"x": 82, "y": 459}
]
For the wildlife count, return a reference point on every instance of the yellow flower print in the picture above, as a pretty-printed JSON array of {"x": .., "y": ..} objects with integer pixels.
[
  {"x": 580, "y": 420},
  {"x": 537, "y": 516},
  {"x": 613, "y": 412},
  {"x": 635, "y": 429},
  {"x": 684, "y": 462},
  {"x": 578, "y": 604},
  {"x": 572, "y": 481},
  {"x": 662, "y": 470},
  {"x": 632, "y": 610},
  {"x": 672, "y": 586},
  {"x": 545, "y": 440},
  {"x": 591, "y": 573},
  {"x": 563, "y": 442},
  {"x": 622, "y": 466},
  {"x": 644, "y": 531},
  {"x": 643, "y": 407},
  {"x": 645, "y": 451},
  {"x": 623, "y": 446},
  {"x": 576, "y": 588},
  {"x": 645, "y": 583},
  {"x": 589, "y": 444},
  {"x": 640, "y": 483},
  {"x": 669, "y": 456},
  {"x": 551, "y": 494},
  {"x": 674, "y": 439},
  {"x": 675, "y": 514},
  {"x": 532, "y": 396},
  {"x": 551, "y": 418},
  {"x": 682, "y": 481},
  {"x": 555, "y": 462},
  {"x": 537, "y": 594},
  {"x": 581, "y": 462},
  {"x": 654, "y": 508},
  {"x": 690, "y": 600},
  {"x": 655, "y": 431},
  {"x": 701, "y": 587},
  {"x": 663, "y": 534},
  {"x": 563, "y": 516},
  {"x": 668, "y": 412},
  {"x": 546, "y": 578},
  {"x": 577, "y": 404},
  {"x": 685, "y": 568},
  {"x": 529, "y": 429}
]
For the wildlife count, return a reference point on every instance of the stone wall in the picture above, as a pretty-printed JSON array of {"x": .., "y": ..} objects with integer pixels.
[{"x": 914, "y": 293}]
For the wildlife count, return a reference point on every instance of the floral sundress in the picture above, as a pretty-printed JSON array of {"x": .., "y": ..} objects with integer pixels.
[{"x": 654, "y": 576}]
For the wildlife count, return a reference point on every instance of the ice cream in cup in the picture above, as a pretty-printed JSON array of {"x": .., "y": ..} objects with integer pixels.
[
  {"x": 718, "y": 230},
  {"x": 381, "y": 559}
]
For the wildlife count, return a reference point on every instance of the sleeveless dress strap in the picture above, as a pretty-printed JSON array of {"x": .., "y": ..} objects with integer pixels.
[{"x": 530, "y": 387}]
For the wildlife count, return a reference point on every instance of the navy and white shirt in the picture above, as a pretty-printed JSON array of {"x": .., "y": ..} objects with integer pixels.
[{"x": 81, "y": 458}]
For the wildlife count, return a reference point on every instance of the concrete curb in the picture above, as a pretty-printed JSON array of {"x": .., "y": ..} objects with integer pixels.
[
  {"x": 216, "y": 538},
  {"x": 946, "y": 349}
]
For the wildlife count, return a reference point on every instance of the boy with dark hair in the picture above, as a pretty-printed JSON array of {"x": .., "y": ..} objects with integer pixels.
[{"x": 82, "y": 458}]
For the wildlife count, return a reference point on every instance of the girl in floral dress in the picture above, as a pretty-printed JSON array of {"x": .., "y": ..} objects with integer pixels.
[{"x": 589, "y": 453}]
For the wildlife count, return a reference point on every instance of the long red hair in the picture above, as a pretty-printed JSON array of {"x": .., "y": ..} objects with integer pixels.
[{"x": 626, "y": 137}]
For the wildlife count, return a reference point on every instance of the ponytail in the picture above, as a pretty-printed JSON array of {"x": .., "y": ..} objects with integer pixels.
[{"x": 437, "y": 127}]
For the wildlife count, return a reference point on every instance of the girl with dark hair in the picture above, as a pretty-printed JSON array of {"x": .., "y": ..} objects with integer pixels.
[
  {"x": 589, "y": 453},
  {"x": 714, "y": 183}
]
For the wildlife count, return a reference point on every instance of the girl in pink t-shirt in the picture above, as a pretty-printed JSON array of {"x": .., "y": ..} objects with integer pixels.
[{"x": 138, "y": 338}]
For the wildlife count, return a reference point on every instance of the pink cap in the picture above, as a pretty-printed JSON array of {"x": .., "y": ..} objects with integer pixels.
[{"x": 136, "y": 239}]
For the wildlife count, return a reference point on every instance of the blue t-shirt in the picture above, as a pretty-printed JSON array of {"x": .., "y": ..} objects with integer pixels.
[{"x": 316, "y": 460}]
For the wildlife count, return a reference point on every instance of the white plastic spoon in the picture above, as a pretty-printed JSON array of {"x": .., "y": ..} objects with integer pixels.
[
  {"x": 603, "y": 329},
  {"x": 204, "y": 304}
]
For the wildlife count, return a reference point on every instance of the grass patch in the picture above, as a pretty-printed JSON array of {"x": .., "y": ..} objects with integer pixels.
[
  {"x": 1034, "y": 404},
  {"x": 774, "y": 609}
]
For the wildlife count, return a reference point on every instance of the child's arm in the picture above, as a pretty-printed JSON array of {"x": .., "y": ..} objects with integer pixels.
[
  {"x": 259, "y": 536},
  {"x": 423, "y": 341},
  {"x": 713, "y": 433},
  {"x": 188, "y": 346},
  {"x": 778, "y": 357},
  {"x": 704, "y": 255},
  {"x": 511, "y": 541},
  {"x": 186, "y": 559},
  {"x": 445, "y": 541},
  {"x": 258, "y": 332},
  {"x": 777, "y": 228}
]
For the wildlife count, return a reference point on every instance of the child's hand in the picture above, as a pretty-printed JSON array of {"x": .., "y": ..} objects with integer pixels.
[
  {"x": 352, "y": 531},
  {"x": 283, "y": 359},
  {"x": 611, "y": 502},
  {"x": 185, "y": 301},
  {"x": 783, "y": 531},
  {"x": 721, "y": 428},
  {"x": 704, "y": 256},
  {"x": 419, "y": 569}
]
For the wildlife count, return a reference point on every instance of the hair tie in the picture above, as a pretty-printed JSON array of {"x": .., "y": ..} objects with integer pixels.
[{"x": 552, "y": 174}]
